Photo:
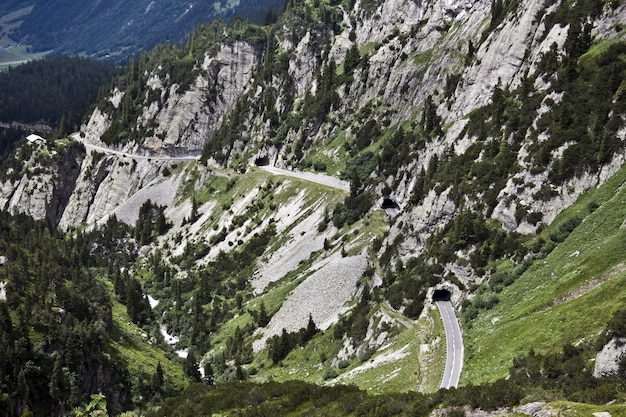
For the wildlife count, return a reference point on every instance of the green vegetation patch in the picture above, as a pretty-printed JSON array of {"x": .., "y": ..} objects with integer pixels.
[
  {"x": 130, "y": 345},
  {"x": 572, "y": 409},
  {"x": 394, "y": 368},
  {"x": 541, "y": 309}
]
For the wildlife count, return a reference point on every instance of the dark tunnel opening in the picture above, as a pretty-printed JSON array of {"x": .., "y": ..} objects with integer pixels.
[
  {"x": 262, "y": 162},
  {"x": 441, "y": 295},
  {"x": 388, "y": 203}
]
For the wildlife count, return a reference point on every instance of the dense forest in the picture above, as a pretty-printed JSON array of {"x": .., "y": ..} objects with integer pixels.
[
  {"x": 58, "y": 328},
  {"x": 53, "y": 93}
]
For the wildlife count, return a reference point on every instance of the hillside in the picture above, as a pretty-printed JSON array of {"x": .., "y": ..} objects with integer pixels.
[
  {"x": 295, "y": 194},
  {"x": 114, "y": 29}
]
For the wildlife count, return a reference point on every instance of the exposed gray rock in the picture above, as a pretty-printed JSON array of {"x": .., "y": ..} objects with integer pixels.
[
  {"x": 191, "y": 116},
  {"x": 44, "y": 185},
  {"x": 607, "y": 360},
  {"x": 322, "y": 295},
  {"x": 302, "y": 240}
]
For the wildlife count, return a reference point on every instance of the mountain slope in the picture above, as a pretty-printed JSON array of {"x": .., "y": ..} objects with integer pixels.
[
  {"x": 483, "y": 143},
  {"x": 121, "y": 29},
  {"x": 571, "y": 290}
]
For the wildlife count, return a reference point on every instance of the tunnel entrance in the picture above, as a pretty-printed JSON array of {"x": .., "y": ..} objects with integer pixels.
[
  {"x": 441, "y": 295},
  {"x": 262, "y": 162},
  {"x": 388, "y": 203}
]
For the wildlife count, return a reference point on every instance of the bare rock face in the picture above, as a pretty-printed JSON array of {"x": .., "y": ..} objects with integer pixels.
[
  {"x": 435, "y": 210},
  {"x": 98, "y": 123},
  {"x": 106, "y": 184},
  {"x": 188, "y": 118},
  {"x": 44, "y": 185},
  {"x": 607, "y": 360}
]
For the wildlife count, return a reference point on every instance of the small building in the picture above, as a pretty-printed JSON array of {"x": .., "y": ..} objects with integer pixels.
[{"x": 32, "y": 138}]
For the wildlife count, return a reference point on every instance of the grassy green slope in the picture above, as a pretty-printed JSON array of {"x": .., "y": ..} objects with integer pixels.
[
  {"x": 138, "y": 356},
  {"x": 565, "y": 298}
]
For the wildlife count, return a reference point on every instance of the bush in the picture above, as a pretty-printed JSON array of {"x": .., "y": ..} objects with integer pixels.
[
  {"x": 501, "y": 279},
  {"x": 330, "y": 374},
  {"x": 352, "y": 209},
  {"x": 534, "y": 217},
  {"x": 319, "y": 166},
  {"x": 343, "y": 364},
  {"x": 565, "y": 229}
]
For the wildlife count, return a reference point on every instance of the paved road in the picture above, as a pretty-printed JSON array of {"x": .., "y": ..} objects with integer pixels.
[
  {"x": 308, "y": 176},
  {"x": 90, "y": 147},
  {"x": 454, "y": 346},
  {"x": 312, "y": 177}
]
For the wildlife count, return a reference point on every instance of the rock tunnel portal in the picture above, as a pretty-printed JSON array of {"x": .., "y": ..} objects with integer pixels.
[
  {"x": 262, "y": 162},
  {"x": 441, "y": 295},
  {"x": 388, "y": 203}
]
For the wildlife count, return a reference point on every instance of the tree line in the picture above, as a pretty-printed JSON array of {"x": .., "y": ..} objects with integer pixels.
[{"x": 54, "y": 91}]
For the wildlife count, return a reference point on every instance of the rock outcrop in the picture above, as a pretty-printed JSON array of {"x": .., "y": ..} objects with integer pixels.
[
  {"x": 608, "y": 359},
  {"x": 45, "y": 182}
]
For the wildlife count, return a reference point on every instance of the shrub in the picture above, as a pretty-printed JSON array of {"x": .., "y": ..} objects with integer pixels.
[
  {"x": 565, "y": 229},
  {"x": 535, "y": 217},
  {"x": 343, "y": 364},
  {"x": 352, "y": 209},
  {"x": 330, "y": 374},
  {"x": 319, "y": 166}
]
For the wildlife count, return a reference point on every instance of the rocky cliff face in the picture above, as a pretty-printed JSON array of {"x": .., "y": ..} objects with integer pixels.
[
  {"x": 450, "y": 54},
  {"x": 438, "y": 107},
  {"x": 42, "y": 186},
  {"x": 179, "y": 120}
]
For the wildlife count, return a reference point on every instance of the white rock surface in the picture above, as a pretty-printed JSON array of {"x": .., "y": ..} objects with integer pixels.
[
  {"x": 322, "y": 295},
  {"x": 301, "y": 241},
  {"x": 607, "y": 360}
]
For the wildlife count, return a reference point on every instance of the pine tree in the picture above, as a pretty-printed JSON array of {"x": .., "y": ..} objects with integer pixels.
[
  {"x": 209, "y": 374},
  {"x": 497, "y": 10},
  {"x": 431, "y": 121},
  {"x": 279, "y": 347},
  {"x": 353, "y": 58},
  {"x": 264, "y": 318},
  {"x": 59, "y": 386},
  {"x": 194, "y": 209},
  {"x": 158, "y": 379},
  {"x": 311, "y": 329},
  {"x": 239, "y": 373},
  {"x": 190, "y": 367}
]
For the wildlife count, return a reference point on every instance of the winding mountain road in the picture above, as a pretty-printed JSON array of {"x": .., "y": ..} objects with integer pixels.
[
  {"x": 303, "y": 175},
  {"x": 454, "y": 346},
  {"x": 90, "y": 147}
]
